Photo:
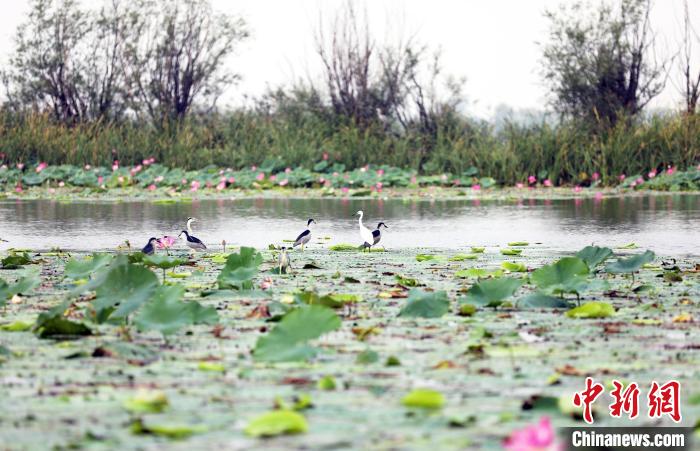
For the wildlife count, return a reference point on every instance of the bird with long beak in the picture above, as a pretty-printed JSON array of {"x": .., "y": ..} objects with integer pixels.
[
  {"x": 365, "y": 233},
  {"x": 305, "y": 236},
  {"x": 377, "y": 234},
  {"x": 192, "y": 241},
  {"x": 150, "y": 248},
  {"x": 283, "y": 261}
]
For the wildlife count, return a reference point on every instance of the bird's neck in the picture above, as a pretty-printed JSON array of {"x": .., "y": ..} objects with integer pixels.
[{"x": 189, "y": 226}]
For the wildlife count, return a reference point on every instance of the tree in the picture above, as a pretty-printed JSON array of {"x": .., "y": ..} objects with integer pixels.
[
  {"x": 386, "y": 84},
  {"x": 66, "y": 62},
  {"x": 600, "y": 67},
  {"x": 690, "y": 76},
  {"x": 175, "y": 57}
]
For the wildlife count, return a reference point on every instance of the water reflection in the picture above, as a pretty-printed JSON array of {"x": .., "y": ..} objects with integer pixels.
[{"x": 667, "y": 224}]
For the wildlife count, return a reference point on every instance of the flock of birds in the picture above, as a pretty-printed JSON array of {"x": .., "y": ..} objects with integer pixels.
[{"x": 369, "y": 237}]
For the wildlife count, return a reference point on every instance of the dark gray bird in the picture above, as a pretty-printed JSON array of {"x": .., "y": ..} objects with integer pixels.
[
  {"x": 376, "y": 235},
  {"x": 149, "y": 248},
  {"x": 305, "y": 236},
  {"x": 193, "y": 242}
]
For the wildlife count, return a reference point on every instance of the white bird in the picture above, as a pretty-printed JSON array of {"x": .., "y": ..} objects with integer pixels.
[
  {"x": 305, "y": 236},
  {"x": 365, "y": 233},
  {"x": 190, "y": 220}
]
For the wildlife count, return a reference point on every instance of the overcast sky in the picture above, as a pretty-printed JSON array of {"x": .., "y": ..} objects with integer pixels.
[{"x": 492, "y": 43}]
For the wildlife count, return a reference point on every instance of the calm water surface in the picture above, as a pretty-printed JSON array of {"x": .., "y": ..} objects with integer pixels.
[{"x": 668, "y": 224}]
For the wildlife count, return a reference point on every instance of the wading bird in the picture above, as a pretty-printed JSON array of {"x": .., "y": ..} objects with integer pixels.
[
  {"x": 149, "y": 248},
  {"x": 365, "y": 233},
  {"x": 377, "y": 233},
  {"x": 190, "y": 220},
  {"x": 305, "y": 236},
  {"x": 193, "y": 242},
  {"x": 283, "y": 261}
]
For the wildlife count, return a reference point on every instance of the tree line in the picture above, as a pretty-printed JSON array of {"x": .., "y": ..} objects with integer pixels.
[{"x": 163, "y": 62}]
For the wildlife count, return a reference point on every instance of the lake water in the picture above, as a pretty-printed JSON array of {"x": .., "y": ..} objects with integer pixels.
[{"x": 667, "y": 224}]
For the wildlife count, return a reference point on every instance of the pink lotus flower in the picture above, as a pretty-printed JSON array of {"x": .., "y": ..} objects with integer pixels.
[
  {"x": 598, "y": 195},
  {"x": 595, "y": 176},
  {"x": 671, "y": 170},
  {"x": 519, "y": 185},
  {"x": 151, "y": 160},
  {"x": 20, "y": 166},
  {"x": 321, "y": 180},
  {"x": 327, "y": 184},
  {"x": 115, "y": 165},
  {"x": 221, "y": 186},
  {"x": 547, "y": 183},
  {"x": 325, "y": 156},
  {"x": 232, "y": 180},
  {"x": 159, "y": 179},
  {"x": 260, "y": 177},
  {"x": 120, "y": 179},
  {"x": 476, "y": 187},
  {"x": 652, "y": 174},
  {"x": 100, "y": 180},
  {"x": 184, "y": 181},
  {"x": 166, "y": 242},
  {"x": 52, "y": 191},
  {"x": 145, "y": 162},
  {"x": 135, "y": 169},
  {"x": 363, "y": 169},
  {"x": 273, "y": 178},
  {"x": 531, "y": 179},
  {"x": 88, "y": 167},
  {"x": 151, "y": 187},
  {"x": 345, "y": 189},
  {"x": 41, "y": 166},
  {"x": 284, "y": 182},
  {"x": 621, "y": 177},
  {"x": 414, "y": 180},
  {"x": 380, "y": 172},
  {"x": 379, "y": 186},
  {"x": 253, "y": 168},
  {"x": 61, "y": 184},
  {"x": 194, "y": 186},
  {"x": 266, "y": 283},
  {"x": 18, "y": 188},
  {"x": 535, "y": 437},
  {"x": 287, "y": 170},
  {"x": 640, "y": 180},
  {"x": 577, "y": 189}
]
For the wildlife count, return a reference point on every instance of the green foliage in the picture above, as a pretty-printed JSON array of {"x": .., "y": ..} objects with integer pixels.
[
  {"x": 240, "y": 269},
  {"x": 541, "y": 300},
  {"x": 15, "y": 260},
  {"x": 163, "y": 261},
  {"x": 425, "y": 304},
  {"x": 592, "y": 310},
  {"x": 328, "y": 300},
  {"x": 147, "y": 401},
  {"x": 631, "y": 264},
  {"x": 166, "y": 313},
  {"x": 424, "y": 399},
  {"x": 123, "y": 288},
  {"x": 594, "y": 255},
  {"x": 288, "y": 341},
  {"x": 567, "y": 275},
  {"x": 277, "y": 422},
  {"x": 24, "y": 285},
  {"x": 491, "y": 293},
  {"x": 53, "y": 324},
  {"x": 84, "y": 268}
]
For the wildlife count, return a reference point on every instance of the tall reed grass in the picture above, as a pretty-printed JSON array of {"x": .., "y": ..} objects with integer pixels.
[{"x": 564, "y": 153}]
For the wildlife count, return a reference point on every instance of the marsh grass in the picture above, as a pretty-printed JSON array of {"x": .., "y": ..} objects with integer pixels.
[{"x": 565, "y": 153}]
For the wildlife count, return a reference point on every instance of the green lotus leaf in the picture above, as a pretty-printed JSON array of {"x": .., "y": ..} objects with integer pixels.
[
  {"x": 424, "y": 304},
  {"x": 568, "y": 275},
  {"x": 424, "y": 399},
  {"x": 594, "y": 255},
  {"x": 277, "y": 422},
  {"x": 592, "y": 310},
  {"x": 491, "y": 293},
  {"x": 84, "y": 268},
  {"x": 631, "y": 264},
  {"x": 240, "y": 269}
]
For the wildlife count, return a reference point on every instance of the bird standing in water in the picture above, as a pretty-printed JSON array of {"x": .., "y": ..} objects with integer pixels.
[
  {"x": 365, "y": 233},
  {"x": 283, "y": 261},
  {"x": 377, "y": 234},
  {"x": 193, "y": 242},
  {"x": 305, "y": 236},
  {"x": 149, "y": 248}
]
